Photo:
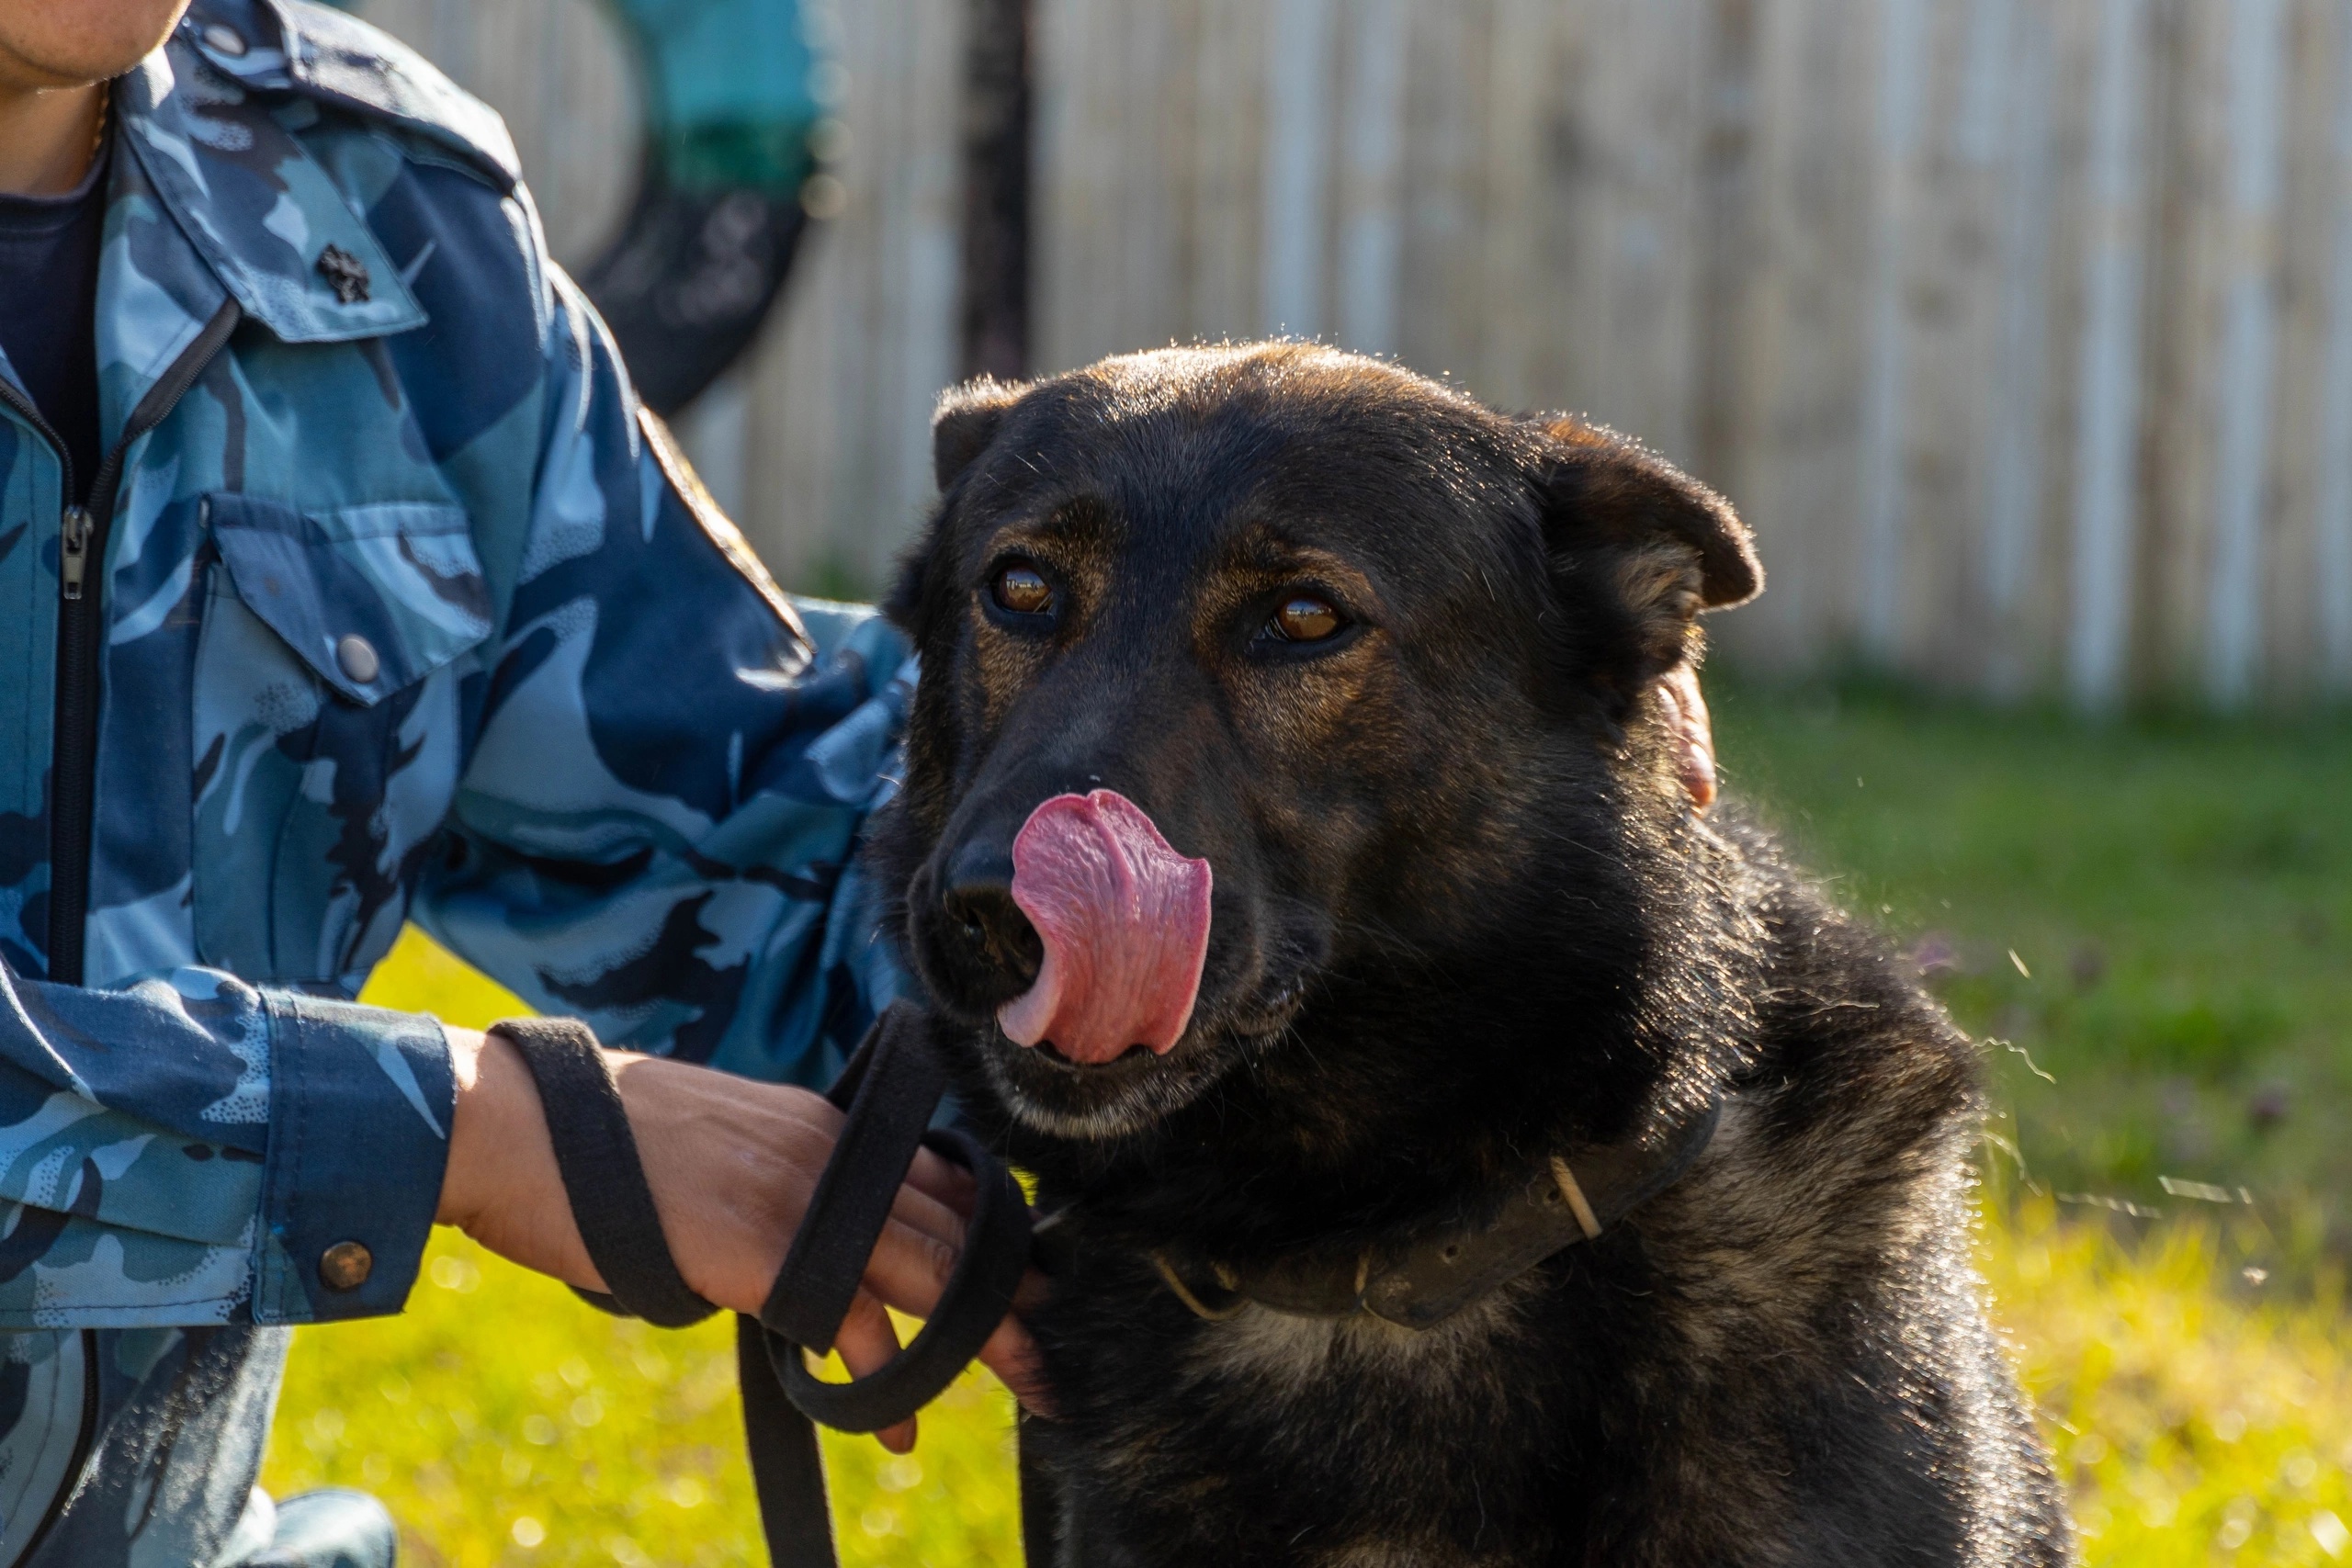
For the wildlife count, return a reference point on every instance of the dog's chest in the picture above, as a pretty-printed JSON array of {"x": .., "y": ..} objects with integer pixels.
[
  {"x": 1360, "y": 1357},
  {"x": 1347, "y": 1443}
]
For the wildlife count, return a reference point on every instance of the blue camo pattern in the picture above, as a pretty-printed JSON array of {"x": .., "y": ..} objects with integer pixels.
[{"x": 409, "y": 615}]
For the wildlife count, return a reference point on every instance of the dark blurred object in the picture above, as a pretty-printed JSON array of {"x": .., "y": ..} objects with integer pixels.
[
  {"x": 688, "y": 285},
  {"x": 2090, "y": 966},
  {"x": 2269, "y": 1106},
  {"x": 730, "y": 112},
  {"x": 993, "y": 318}
]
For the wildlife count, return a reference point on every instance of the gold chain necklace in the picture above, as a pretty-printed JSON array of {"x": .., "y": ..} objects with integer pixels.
[{"x": 105, "y": 113}]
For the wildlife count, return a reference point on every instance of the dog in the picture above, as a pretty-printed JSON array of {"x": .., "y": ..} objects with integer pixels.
[{"x": 1461, "y": 1149}]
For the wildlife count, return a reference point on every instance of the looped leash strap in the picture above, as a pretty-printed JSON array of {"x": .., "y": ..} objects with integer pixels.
[
  {"x": 603, "y": 1177},
  {"x": 889, "y": 1091},
  {"x": 978, "y": 1293}
]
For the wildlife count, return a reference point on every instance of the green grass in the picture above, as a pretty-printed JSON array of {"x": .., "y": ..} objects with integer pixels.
[
  {"x": 2178, "y": 896},
  {"x": 2157, "y": 914}
]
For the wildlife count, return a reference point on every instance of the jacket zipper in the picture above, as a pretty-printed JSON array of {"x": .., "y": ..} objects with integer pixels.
[
  {"x": 86, "y": 1428},
  {"x": 80, "y": 647},
  {"x": 82, "y": 543}
]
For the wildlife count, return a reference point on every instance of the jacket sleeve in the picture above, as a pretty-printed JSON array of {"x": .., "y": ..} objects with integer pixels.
[
  {"x": 191, "y": 1150},
  {"x": 656, "y": 828}
]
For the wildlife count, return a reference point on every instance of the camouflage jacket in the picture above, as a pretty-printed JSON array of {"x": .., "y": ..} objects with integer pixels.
[{"x": 394, "y": 606}]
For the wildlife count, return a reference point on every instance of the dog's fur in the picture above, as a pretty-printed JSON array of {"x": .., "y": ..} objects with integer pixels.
[{"x": 1464, "y": 918}]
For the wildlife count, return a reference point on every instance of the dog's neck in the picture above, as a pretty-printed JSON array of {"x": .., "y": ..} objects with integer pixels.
[{"x": 1419, "y": 1283}]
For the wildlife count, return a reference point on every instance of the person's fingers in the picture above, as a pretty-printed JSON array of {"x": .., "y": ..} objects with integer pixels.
[
  {"x": 866, "y": 1342},
  {"x": 910, "y": 1269},
  {"x": 911, "y": 1264},
  {"x": 943, "y": 1179},
  {"x": 1033, "y": 1290},
  {"x": 927, "y": 1215},
  {"x": 1011, "y": 1354}
]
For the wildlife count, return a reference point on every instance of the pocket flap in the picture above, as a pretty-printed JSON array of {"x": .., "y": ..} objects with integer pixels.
[{"x": 371, "y": 597}]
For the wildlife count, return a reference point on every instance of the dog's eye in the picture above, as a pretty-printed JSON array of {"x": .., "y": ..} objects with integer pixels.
[
  {"x": 1022, "y": 590},
  {"x": 1306, "y": 619}
]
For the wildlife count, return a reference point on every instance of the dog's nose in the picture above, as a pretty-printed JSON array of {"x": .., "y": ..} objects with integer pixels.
[{"x": 984, "y": 920}]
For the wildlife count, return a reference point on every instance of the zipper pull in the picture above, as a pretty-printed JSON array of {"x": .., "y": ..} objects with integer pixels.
[{"x": 73, "y": 551}]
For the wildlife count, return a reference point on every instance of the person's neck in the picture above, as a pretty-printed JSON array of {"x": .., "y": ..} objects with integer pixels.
[{"x": 48, "y": 136}]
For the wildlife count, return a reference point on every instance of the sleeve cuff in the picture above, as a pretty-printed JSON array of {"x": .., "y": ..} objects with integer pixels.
[{"x": 361, "y": 1104}]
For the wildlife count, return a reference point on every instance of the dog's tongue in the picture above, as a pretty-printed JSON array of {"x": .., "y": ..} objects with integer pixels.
[{"x": 1124, "y": 920}]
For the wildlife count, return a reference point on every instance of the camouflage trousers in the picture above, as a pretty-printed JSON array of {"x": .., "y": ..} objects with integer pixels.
[{"x": 328, "y": 1528}]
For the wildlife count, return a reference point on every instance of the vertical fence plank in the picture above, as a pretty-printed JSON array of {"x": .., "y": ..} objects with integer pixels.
[
  {"x": 2286, "y": 666},
  {"x": 2242, "y": 387},
  {"x": 2011, "y": 123},
  {"x": 1226, "y": 212},
  {"x": 1299, "y": 59},
  {"x": 1370, "y": 175},
  {"x": 1623, "y": 223},
  {"x": 1078, "y": 177},
  {"x": 1902, "y": 73},
  {"x": 2107, "y": 410},
  {"x": 1950, "y": 285},
  {"x": 2332, "y": 522},
  {"x": 1438, "y": 332},
  {"x": 1805, "y": 351}
]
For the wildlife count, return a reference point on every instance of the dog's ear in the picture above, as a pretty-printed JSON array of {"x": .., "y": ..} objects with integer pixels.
[
  {"x": 966, "y": 421},
  {"x": 1640, "y": 548}
]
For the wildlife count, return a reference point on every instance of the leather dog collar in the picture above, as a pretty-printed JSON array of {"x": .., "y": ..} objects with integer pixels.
[{"x": 1422, "y": 1285}]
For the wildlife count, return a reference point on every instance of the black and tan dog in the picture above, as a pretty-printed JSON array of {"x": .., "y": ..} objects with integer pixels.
[{"x": 1468, "y": 1151}]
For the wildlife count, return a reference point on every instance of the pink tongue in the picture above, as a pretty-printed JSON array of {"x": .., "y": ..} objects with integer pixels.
[{"x": 1124, "y": 920}]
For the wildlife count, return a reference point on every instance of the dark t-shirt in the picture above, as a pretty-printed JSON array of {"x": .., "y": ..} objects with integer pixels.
[{"x": 49, "y": 310}]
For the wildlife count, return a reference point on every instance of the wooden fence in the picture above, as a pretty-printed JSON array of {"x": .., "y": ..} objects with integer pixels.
[{"x": 2021, "y": 329}]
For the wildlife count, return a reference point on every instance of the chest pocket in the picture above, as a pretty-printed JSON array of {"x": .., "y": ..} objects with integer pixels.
[{"x": 326, "y": 725}]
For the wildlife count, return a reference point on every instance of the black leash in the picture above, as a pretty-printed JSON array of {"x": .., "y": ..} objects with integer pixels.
[{"x": 889, "y": 1093}]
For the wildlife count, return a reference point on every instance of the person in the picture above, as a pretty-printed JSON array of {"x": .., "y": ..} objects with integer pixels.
[{"x": 343, "y": 582}]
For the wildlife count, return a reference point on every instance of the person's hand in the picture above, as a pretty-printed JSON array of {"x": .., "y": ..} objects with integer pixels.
[
  {"x": 1686, "y": 716},
  {"x": 732, "y": 1163}
]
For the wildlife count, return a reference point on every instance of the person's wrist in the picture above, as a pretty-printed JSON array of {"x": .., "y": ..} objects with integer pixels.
[{"x": 495, "y": 1096}]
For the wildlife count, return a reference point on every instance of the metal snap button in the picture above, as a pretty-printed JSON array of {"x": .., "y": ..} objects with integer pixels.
[
  {"x": 345, "y": 1266},
  {"x": 358, "y": 657},
  {"x": 223, "y": 39}
]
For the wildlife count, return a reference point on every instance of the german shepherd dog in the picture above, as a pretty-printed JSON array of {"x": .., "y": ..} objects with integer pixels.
[{"x": 1465, "y": 1151}]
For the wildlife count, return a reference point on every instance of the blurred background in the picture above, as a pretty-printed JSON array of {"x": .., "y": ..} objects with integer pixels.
[{"x": 2020, "y": 330}]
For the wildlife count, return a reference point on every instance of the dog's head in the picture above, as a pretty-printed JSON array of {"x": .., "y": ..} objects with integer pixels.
[{"x": 1250, "y": 670}]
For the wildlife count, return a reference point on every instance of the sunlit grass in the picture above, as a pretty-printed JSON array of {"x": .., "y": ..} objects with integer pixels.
[
  {"x": 504, "y": 1422},
  {"x": 2195, "y": 1421}
]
